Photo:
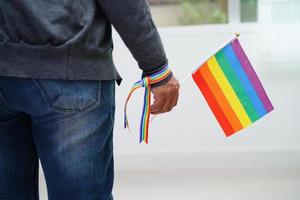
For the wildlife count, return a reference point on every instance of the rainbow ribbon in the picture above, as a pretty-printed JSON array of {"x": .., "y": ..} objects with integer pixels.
[{"x": 146, "y": 83}]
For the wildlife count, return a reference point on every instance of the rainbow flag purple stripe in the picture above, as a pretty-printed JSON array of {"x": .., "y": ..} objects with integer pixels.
[
  {"x": 232, "y": 88},
  {"x": 249, "y": 70}
]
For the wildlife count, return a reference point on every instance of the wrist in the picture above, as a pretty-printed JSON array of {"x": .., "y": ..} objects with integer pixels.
[
  {"x": 163, "y": 81},
  {"x": 159, "y": 77}
]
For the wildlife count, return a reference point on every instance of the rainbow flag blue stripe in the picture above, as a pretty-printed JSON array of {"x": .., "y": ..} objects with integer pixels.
[{"x": 232, "y": 89}]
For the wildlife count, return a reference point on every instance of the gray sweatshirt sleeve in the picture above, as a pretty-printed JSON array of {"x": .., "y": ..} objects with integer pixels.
[{"x": 132, "y": 20}]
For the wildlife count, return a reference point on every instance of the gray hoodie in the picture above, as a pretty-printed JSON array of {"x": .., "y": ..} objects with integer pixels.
[{"x": 71, "y": 39}]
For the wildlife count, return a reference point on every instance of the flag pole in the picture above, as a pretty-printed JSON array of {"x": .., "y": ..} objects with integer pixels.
[
  {"x": 221, "y": 47},
  {"x": 236, "y": 35}
]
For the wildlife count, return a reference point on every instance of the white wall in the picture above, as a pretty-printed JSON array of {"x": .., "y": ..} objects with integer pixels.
[
  {"x": 280, "y": 27},
  {"x": 191, "y": 128}
]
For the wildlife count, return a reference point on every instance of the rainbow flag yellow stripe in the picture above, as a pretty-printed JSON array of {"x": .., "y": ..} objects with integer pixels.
[{"x": 232, "y": 89}]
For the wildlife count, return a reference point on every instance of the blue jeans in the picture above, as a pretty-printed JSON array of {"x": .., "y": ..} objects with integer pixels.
[{"x": 68, "y": 125}]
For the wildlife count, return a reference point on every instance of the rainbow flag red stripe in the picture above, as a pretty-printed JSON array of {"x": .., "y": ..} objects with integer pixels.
[{"x": 232, "y": 89}]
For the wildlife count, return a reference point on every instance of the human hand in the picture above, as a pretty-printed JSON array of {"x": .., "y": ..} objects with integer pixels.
[{"x": 165, "y": 96}]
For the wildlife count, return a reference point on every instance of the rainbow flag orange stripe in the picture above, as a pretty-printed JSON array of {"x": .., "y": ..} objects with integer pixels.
[{"x": 232, "y": 89}]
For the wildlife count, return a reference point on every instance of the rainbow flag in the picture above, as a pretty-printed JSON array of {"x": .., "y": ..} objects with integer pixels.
[{"x": 232, "y": 89}]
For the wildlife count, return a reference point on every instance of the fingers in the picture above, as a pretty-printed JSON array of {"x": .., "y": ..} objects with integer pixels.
[
  {"x": 165, "y": 103},
  {"x": 165, "y": 97},
  {"x": 174, "y": 96},
  {"x": 157, "y": 105},
  {"x": 161, "y": 102},
  {"x": 174, "y": 100},
  {"x": 166, "y": 106},
  {"x": 162, "y": 107}
]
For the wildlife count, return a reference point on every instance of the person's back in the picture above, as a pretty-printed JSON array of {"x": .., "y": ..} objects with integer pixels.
[
  {"x": 71, "y": 39},
  {"x": 57, "y": 91}
]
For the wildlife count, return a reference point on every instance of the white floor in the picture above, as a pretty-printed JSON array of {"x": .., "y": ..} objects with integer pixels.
[
  {"x": 247, "y": 184},
  {"x": 225, "y": 184}
]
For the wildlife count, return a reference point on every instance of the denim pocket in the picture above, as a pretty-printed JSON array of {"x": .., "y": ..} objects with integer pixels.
[{"x": 70, "y": 95}]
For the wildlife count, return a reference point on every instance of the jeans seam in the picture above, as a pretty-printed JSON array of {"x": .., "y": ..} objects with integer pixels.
[
  {"x": 95, "y": 157},
  {"x": 40, "y": 89},
  {"x": 34, "y": 187}
]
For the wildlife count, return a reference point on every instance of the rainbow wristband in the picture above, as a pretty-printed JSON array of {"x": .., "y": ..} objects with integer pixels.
[{"x": 146, "y": 83}]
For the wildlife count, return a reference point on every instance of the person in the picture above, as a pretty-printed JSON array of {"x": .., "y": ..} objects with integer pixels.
[{"x": 57, "y": 87}]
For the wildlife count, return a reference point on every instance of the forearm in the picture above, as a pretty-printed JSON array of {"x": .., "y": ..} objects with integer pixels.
[{"x": 132, "y": 19}]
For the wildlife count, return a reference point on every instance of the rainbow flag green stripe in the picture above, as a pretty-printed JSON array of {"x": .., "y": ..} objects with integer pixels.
[
  {"x": 236, "y": 85},
  {"x": 232, "y": 89}
]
